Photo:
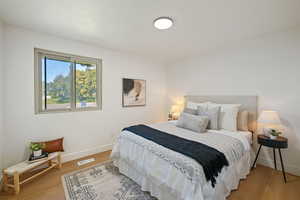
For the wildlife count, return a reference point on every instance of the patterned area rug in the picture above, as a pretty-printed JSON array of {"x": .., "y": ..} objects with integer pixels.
[{"x": 102, "y": 182}]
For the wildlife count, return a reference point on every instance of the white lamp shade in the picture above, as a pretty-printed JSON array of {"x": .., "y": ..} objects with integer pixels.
[
  {"x": 175, "y": 109},
  {"x": 269, "y": 117}
]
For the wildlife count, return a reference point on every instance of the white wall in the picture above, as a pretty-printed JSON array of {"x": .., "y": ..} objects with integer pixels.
[
  {"x": 268, "y": 67},
  {"x": 1, "y": 94},
  {"x": 84, "y": 132}
]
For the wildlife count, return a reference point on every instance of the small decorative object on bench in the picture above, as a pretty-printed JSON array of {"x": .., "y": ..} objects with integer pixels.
[
  {"x": 36, "y": 149},
  {"x": 33, "y": 158}
]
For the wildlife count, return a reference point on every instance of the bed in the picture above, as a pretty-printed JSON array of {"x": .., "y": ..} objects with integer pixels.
[{"x": 169, "y": 175}]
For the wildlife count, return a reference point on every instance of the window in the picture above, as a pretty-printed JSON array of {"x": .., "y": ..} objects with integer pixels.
[{"x": 65, "y": 82}]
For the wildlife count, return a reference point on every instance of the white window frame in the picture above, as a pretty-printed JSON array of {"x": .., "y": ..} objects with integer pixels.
[{"x": 38, "y": 85}]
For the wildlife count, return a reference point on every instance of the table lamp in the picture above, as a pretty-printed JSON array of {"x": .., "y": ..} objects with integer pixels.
[
  {"x": 174, "y": 112},
  {"x": 270, "y": 120}
]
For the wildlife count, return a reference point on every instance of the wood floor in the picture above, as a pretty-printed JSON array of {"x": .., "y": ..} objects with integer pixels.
[{"x": 262, "y": 184}]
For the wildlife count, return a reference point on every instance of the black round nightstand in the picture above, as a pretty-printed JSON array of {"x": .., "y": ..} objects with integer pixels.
[{"x": 278, "y": 143}]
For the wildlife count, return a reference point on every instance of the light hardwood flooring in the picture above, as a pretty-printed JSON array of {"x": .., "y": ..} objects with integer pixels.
[{"x": 262, "y": 184}]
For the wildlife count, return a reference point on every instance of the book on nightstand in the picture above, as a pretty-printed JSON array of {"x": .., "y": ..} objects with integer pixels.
[{"x": 33, "y": 159}]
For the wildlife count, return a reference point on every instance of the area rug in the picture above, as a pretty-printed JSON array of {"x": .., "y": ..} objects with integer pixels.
[{"x": 102, "y": 182}]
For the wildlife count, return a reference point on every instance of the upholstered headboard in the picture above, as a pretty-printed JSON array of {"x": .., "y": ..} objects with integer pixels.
[{"x": 248, "y": 103}]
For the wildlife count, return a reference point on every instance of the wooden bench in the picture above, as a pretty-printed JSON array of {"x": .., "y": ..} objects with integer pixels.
[{"x": 53, "y": 160}]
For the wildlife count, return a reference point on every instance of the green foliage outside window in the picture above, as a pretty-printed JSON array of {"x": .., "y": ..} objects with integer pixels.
[{"x": 86, "y": 87}]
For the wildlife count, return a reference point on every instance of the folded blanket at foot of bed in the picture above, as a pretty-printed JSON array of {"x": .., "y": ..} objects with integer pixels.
[{"x": 209, "y": 158}]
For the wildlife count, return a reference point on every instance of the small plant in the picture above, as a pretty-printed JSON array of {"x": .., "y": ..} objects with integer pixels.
[
  {"x": 274, "y": 132},
  {"x": 36, "y": 146}
]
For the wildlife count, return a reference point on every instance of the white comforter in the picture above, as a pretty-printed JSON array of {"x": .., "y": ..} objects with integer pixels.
[{"x": 168, "y": 175}]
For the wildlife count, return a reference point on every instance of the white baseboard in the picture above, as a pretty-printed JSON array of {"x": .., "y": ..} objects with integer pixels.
[
  {"x": 76, "y": 155},
  {"x": 292, "y": 169}
]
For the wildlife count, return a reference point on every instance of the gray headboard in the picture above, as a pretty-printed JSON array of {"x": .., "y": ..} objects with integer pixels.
[{"x": 248, "y": 103}]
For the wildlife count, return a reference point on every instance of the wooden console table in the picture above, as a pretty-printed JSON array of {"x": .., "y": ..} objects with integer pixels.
[{"x": 54, "y": 160}]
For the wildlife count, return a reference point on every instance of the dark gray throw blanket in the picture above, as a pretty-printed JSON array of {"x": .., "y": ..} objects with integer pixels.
[{"x": 209, "y": 158}]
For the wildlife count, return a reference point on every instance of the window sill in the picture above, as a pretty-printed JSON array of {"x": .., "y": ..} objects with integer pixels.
[{"x": 68, "y": 110}]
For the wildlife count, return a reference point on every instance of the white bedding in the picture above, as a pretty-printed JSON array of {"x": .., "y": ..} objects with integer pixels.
[
  {"x": 167, "y": 182},
  {"x": 246, "y": 134}
]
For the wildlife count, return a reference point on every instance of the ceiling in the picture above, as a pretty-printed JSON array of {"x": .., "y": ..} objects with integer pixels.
[{"x": 126, "y": 25}]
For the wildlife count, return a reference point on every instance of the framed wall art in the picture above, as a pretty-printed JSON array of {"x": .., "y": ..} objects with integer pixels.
[{"x": 134, "y": 92}]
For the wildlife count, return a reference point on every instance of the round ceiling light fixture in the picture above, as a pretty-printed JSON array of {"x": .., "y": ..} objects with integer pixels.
[{"x": 163, "y": 23}]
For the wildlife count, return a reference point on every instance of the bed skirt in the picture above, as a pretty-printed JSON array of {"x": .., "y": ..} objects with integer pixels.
[{"x": 227, "y": 181}]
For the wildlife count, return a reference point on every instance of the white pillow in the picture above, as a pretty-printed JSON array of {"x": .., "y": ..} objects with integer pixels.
[
  {"x": 228, "y": 115},
  {"x": 194, "y": 106},
  {"x": 194, "y": 123},
  {"x": 213, "y": 115}
]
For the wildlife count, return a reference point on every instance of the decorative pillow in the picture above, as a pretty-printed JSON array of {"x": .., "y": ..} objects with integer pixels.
[
  {"x": 212, "y": 114},
  {"x": 193, "y": 122},
  {"x": 228, "y": 115},
  {"x": 190, "y": 111},
  {"x": 242, "y": 120},
  {"x": 193, "y": 105},
  {"x": 53, "y": 145}
]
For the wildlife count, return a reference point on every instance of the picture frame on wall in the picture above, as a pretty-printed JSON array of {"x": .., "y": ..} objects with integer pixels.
[{"x": 133, "y": 92}]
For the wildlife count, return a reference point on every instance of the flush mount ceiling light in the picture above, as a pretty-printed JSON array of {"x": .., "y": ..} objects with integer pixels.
[{"x": 163, "y": 23}]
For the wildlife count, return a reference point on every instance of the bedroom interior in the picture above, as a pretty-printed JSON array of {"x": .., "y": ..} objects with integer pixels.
[{"x": 166, "y": 100}]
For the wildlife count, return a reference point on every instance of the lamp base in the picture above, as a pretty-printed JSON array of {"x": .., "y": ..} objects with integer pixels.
[{"x": 273, "y": 137}]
